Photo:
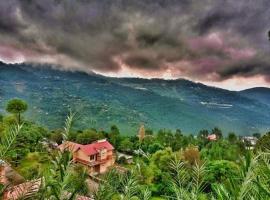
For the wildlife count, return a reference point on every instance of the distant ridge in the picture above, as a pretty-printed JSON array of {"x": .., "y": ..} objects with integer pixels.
[{"x": 126, "y": 102}]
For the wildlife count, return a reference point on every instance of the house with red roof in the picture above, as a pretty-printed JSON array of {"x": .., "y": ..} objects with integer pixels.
[
  {"x": 212, "y": 137},
  {"x": 97, "y": 156}
]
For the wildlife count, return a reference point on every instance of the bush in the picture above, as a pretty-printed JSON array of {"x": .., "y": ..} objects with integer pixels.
[{"x": 219, "y": 171}]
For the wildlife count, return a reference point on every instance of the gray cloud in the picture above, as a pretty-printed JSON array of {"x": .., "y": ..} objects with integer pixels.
[{"x": 203, "y": 40}]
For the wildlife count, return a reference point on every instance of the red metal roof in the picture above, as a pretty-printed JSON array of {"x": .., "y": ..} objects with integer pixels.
[
  {"x": 88, "y": 149},
  {"x": 70, "y": 146},
  {"x": 212, "y": 137},
  {"x": 94, "y": 148}
]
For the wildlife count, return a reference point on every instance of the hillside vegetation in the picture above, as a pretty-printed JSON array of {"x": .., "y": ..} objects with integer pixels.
[{"x": 128, "y": 102}]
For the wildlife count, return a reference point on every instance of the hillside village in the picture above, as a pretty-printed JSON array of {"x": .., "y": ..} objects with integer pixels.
[{"x": 95, "y": 158}]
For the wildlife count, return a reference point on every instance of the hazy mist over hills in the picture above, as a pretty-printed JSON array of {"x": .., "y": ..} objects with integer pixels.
[{"x": 128, "y": 102}]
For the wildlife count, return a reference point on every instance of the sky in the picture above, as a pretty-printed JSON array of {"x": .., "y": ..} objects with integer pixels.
[{"x": 223, "y": 43}]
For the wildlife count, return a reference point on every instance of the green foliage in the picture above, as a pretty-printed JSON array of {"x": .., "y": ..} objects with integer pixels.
[
  {"x": 186, "y": 183},
  {"x": 16, "y": 106},
  {"x": 121, "y": 186},
  {"x": 256, "y": 135},
  {"x": 126, "y": 145},
  {"x": 165, "y": 137},
  {"x": 88, "y": 136},
  {"x": 263, "y": 143},
  {"x": 62, "y": 181},
  {"x": 8, "y": 140},
  {"x": 221, "y": 150},
  {"x": 33, "y": 165},
  {"x": 114, "y": 136},
  {"x": 169, "y": 164},
  {"x": 56, "y": 136},
  {"x": 28, "y": 141},
  {"x": 203, "y": 134},
  {"x": 217, "y": 132},
  {"x": 9, "y": 121},
  {"x": 220, "y": 171},
  {"x": 162, "y": 157},
  {"x": 155, "y": 147},
  {"x": 251, "y": 183},
  {"x": 232, "y": 138}
]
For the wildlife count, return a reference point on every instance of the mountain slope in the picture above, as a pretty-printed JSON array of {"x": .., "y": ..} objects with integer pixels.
[
  {"x": 127, "y": 102},
  {"x": 261, "y": 94}
]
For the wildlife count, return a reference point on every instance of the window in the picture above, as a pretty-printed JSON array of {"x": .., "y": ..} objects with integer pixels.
[
  {"x": 92, "y": 157},
  {"x": 103, "y": 154}
]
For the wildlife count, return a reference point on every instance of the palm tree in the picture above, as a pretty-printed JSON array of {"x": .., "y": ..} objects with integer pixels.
[
  {"x": 253, "y": 181},
  {"x": 6, "y": 143},
  {"x": 123, "y": 186},
  {"x": 63, "y": 181},
  {"x": 9, "y": 139},
  {"x": 186, "y": 183}
]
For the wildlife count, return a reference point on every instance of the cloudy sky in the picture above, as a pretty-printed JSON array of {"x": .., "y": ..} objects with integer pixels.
[{"x": 218, "y": 42}]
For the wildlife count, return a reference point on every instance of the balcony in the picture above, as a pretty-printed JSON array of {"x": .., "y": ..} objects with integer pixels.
[{"x": 94, "y": 162}]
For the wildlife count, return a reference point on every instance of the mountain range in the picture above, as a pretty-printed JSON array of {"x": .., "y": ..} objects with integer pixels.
[{"x": 129, "y": 102}]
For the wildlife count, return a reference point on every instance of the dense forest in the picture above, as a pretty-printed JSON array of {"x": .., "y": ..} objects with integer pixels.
[{"x": 167, "y": 164}]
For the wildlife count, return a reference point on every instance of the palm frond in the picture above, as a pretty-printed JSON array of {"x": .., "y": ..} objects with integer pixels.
[
  {"x": 198, "y": 174},
  {"x": 179, "y": 173},
  {"x": 146, "y": 194},
  {"x": 9, "y": 139},
  {"x": 129, "y": 186},
  {"x": 68, "y": 125},
  {"x": 253, "y": 183},
  {"x": 221, "y": 193}
]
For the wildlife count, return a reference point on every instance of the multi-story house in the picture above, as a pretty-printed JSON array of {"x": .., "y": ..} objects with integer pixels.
[{"x": 97, "y": 156}]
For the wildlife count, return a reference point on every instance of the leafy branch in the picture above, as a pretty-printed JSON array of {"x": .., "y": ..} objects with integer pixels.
[{"x": 9, "y": 139}]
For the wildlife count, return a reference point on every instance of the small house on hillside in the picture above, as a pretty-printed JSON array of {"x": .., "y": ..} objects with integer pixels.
[
  {"x": 249, "y": 141},
  {"x": 124, "y": 158},
  {"x": 97, "y": 156},
  {"x": 212, "y": 137}
]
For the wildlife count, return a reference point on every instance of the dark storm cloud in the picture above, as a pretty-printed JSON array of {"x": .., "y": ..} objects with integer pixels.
[
  {"x": 250, "y": 68},
  {"x": 204, "y": 40}
]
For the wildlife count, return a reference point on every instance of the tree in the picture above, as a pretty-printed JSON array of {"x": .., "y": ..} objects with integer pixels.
[
  {"x": 126, "y": 145},
  {"x": 256, "y": 135},
  {"x": 203, "y": 134},
  {"x": 186, "y": 182},
  {"x": 56, "y": 136},
  {"x": 149, "y": 132},
  {"x": 177, "y": 143},
  {"x": 88, "y": 136},
  {"x": 141, "y": 133},
  {"x": 161, "y": 158},
  {"x": 114, "y": 130},
  {"x": 152, "y": 148},
  {"x": 8, "y": 140},
  {"x": 27, "y": 142},
  {"x": 62, "y": 181},
  {"x": 219, "y": 171},
  {"x": 17, "y": 107},
  {"x": 232, "y": 137},
  {"x": 221, "y": 150},
  {"x": 114, "y": 136},
  {"x": 165, "y": 137},
  {"x": 251, "y": 183},
  {"x": 192, "y": 155},
  {"x": 217, "y": 132},
  {"x": 263, "y": 143}
]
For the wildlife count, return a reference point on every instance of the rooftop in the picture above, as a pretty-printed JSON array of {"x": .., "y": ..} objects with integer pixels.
[{"x": 88, "y": 149}]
